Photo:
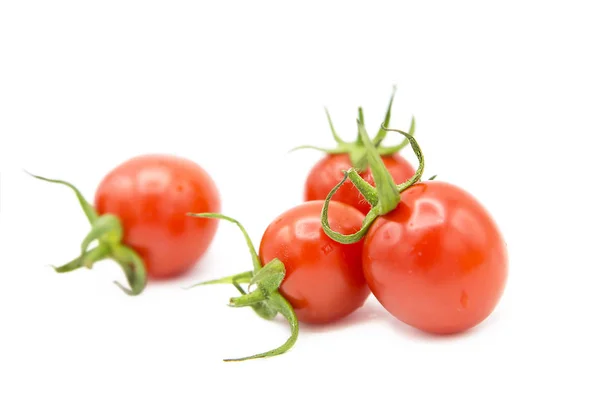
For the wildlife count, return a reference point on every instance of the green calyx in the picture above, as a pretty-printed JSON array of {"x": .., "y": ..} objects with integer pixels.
[
  {"x": 357, "y": 150},
  {"x": 106, "y": 231},
  {"x": 384, "y": 197},
  {"x": 265, "y": 299}
]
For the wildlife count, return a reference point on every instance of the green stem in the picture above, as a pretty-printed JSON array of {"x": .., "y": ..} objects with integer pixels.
[
  {"x": 248, "y": 299},
  {"x": 255, "y": 260},
  {"x": 106, "y": 228},
  {"x": 364, "y": 187},
  {"x": 339, "y": 150},
  {"x": 72, "y": 265},
  {"x": 265, "y": 300},
  {"x": 338, "y": 237},
  {"x": 359, "y": 140},
  {"x": 336, "y": 137},
  {"x": 388, "y": 193},
  {"x": 243, "y": 277},
  {"x": 88, "y": 209},
  {"x": 108, "y": 232},
  {"x": 239, "y": 288},
  {"x": 386, "y": 151},
  {"x": 133, "y": 267},
  {"x": 388, "y": 114},
  {"x": 361, "y": 116},
  {"x": 356, "y": 150},
  {"x": 269, "y": 278},
  {"x": 96, "y": 254},
  {"x": 285, "y": 308},
  {"x": 358, "y": 158},
  {"x": 264, "y": 310},
  {"x": 417, "y": 150}
]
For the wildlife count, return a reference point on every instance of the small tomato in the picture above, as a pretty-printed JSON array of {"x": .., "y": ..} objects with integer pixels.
[{"x": 140, "y": 218}]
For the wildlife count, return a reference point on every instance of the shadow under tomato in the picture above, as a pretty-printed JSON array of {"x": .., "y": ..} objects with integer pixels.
[
  {"x": 373, "y": 311},
  {"x": 368, "y": 312},
  {"x": 419, "y": 335},
  {"x": 198, "y": 273}
]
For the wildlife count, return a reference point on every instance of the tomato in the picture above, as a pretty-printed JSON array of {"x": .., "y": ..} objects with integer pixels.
[
  {"x": 329, "y": 171},
  {"x": 151, "y": 195},
  {"x": 438, "y": 261},
  {"x": 324, "y": 279}
]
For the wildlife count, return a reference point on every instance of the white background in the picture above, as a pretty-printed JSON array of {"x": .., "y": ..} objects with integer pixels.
[{"x": 506, "y": 99}]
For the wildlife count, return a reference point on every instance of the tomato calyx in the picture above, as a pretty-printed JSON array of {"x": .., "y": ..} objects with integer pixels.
[
  {"x": 384, "y": 197},
  {"x": 357, "y": 150},
  {"x": 265, "y": 299},
  {"x": 107, "y": 231}
]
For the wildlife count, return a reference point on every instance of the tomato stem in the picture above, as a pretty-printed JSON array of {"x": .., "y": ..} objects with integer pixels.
[
  {"x": 339, "y": 150},
  {"x": 96, "y": 254},
  {"x": 83, "y": 260},
  {"x": 255, "y": 260},
  {"x": 386, "y": 121},
  {"x": 247, "y": 299},
  {"x": 356, "y": 150},
  {"x": 106, "y": 228},
  {"x": 417, "y": 150},
  {"x": 133, "y": 267},
  {"x": 336, "y": 137},
  {"x": 265, "y": 300},
  {"x": 361, "y": 119},
  {"x": 368, "y": 191},
  {"x": 244, "y": 277},
  {"x": 108, "y": 232},
  {"x": 387, "y": 195},
  {"x": 387, "y": 191},
  {"x": 285, "y": 308},
  {"x": 387, "y": 151},
  {"x": 87, "y": 208}
]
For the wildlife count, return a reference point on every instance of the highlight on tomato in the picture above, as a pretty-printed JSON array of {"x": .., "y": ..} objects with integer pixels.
[
  {"x": 433, "y": 256},
  {"x": 327, "y": 172},
  {"x": 299, "y": 271},
  {"x": 139, "y": 219}
]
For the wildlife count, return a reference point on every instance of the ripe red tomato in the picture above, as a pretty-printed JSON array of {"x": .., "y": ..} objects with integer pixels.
[
  {"x": 329, "y": 171},
  {"x": 324, "y": 279},
  {"x": 438, "y": 261},
  {"x": 152, "y": 195}
]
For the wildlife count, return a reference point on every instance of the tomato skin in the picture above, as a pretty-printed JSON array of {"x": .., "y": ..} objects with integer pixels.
[
  {"x": 151, "y": 195},
  {"x": 438, "y": 261},
  {"x": 324, "y": 280},
  {"x": 328, "y": 172}
]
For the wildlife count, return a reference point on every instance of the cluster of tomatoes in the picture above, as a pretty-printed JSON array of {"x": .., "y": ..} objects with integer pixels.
[{"x": 428, "y": 250}]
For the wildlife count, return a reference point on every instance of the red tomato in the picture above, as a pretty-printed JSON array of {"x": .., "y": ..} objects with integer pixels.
[
  {"x": 151, "y": 195},
  {"x": 438, "y": 261},
  {"x": 324, "y": 279},
  {"x": 328, "y": 172}
]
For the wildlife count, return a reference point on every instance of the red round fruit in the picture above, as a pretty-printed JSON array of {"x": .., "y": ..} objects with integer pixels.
[
  {"x": 438, "y": 261},
  {"x": 329, "y": 171},
  {"x": 324, "y": 279},
  {"x": 151, "y": 195}
]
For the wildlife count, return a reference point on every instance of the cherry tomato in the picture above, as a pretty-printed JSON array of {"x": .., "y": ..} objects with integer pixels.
[
  {"x": 329, "y": 171},
  {"x": 324, "y": 279},
  {"x": 152, "y": 195},
  {"x": 438, "y": 261}
]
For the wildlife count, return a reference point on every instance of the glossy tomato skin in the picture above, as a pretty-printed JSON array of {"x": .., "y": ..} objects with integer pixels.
[
  {"x": 151, "y": 195},
  {"x": 438, "y": 262},
  {"x": 324, "y": 280},
  {"x": 328, "y": 172}
]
